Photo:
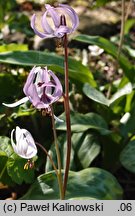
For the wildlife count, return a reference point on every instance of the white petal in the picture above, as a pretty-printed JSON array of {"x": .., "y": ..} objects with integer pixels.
[
  {"x": 25, "y": 145},
  {"x": 17, "y": 134},
  {"x": 12, "y": 141},
  {"x": 31, "y": 152},
  {"x": 28, "y": 146},
  {"x": 21, "y": 101}
]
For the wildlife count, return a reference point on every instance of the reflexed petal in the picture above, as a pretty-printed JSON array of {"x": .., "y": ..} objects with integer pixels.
[
  {"x": 29, "y": 80},
  {"x": 33, "y": 96},
  {"x": 55, "y": 16},
  {"x": 30, "y": 88},
  {"x": 72, "y": 14},
  {"x": 42, "y": 87},
  {"x": 45, "y": 24},
  {"x": 56, "y": 29},
  {"x": 21, "y": 101},
  {"x": 58, "y": 89},
  {"x": 40, "y": 34}
]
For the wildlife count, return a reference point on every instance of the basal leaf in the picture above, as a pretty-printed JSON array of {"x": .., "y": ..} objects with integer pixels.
[
  {"x": 97, "y": 96},
  {"x": 16, "y": 171},
  {"x": 77, "y": 71},
  {"x": 127, "y": 156},
  {"x": 83, "y": 122},
  {"x": 86, "y": 147},
  {"x": 91, "y": 183}
]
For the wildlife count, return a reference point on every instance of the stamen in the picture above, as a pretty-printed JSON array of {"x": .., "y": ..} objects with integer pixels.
[{"x": 30, "y": 164}]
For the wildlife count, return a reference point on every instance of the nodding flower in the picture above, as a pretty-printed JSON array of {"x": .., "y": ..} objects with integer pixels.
[
  {"x": 25, "y": 145},
  {"x": 52, "y": 24},
  {"x": 42, "y": 88}
]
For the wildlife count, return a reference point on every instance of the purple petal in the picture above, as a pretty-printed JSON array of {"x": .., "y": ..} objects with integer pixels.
[
  {"x": 59, "y": 32},
  {"x": 44, "y": 76},
  {"x": 72, "y": 14},
  {"x": 58, "y": 89},
  {"x": 54, "y": 14},
  {"x": 45, "y": 24},
  {"x": 40, "y": 34},
  {"x": 30, "y": 80}
]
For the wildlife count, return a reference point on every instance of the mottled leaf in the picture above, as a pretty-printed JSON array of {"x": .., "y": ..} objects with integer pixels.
[{"x": 91, "y": 183}]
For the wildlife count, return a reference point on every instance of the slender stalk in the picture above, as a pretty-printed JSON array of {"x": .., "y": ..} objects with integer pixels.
[
  {"x": 122, "y": 28},
  {"x": 50, "y": 158},
  {"x": 128, "y": 9},
  {"x": 67, "y": 108},
  {"x": 60, "y": 181}
]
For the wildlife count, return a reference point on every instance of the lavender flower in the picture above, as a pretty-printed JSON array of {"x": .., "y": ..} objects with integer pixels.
[
  {"x": 25, "y": 146},
  {"x": 42, "y": 88},
  {"x": 57, "y": 28}
]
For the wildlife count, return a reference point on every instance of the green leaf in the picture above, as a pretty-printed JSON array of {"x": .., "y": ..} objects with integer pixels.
[
  {"x": 86, "y": 147},
  {"x": 91, "y": 183},
  {"x": 16, "y": 171},
  {"x": 12, "y": 165},
  {"x": 5, "y": 152},
  {"x": 5, "y": 146},
  {"x": 13, "y": 47},
  {"x": 127, "y": 89},
  {"x": 4, "y": 177},
  {"x": 111, "y": 49},
  {"x": 129, "y": 24},
  {"x": 129, "y": 126},
  {"x": 83, "y": 122},
  {"x": 127, "y": 156},
  {"x": 97, "y": 96},
  {"x": 129, "y": 100},
  {"x": 77, "y": 71}
]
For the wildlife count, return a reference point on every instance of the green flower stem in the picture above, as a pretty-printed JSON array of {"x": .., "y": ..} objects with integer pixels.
[{"x": 60, "y": 181}]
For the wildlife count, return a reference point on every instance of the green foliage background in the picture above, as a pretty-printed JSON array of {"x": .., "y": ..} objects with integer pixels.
[{"x": 103, "y": 129}]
